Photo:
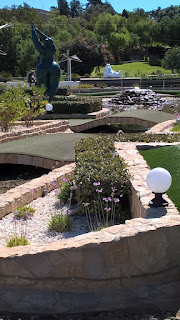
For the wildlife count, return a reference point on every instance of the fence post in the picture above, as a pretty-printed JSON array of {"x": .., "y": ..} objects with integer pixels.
[{"x": 163, "y": 84}]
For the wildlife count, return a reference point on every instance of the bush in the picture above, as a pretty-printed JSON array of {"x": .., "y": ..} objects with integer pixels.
[
  {"x": 97, "y": 164},
  {"x": 11, "y": 106},
  {"x": 23, "y": 213},
  {"x": 63, "y": 91},
  {"x": 151, "y": 137},
  {"x": 82, "y": 105},
  {"x": 5, "y": 76},
  {"x": 60, "y": 223},
  {"x": 155, "y": 62},
  {"x": 87, "y": 86},
  {"x": 17, "y": 241}
]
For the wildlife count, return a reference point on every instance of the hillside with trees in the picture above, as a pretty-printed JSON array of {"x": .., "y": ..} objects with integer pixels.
[{"x": 95, "y": 32}]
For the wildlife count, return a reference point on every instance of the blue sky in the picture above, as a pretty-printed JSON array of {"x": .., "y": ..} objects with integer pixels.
[{"x": 118, "y": 5}]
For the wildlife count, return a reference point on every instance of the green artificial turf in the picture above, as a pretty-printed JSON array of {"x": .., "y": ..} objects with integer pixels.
[
  {"x": 134, "y": 69},
  {"x": 168, "y": 158},
  {"x": 149, "y": 115},
  {"x": 51, "y": 146}
]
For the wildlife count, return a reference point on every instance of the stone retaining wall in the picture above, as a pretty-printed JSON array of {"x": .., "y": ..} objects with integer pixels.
[
  {"x": 39, "y": 128},
  {"x": 135, "y": 265},
  {"x": 24, "y": 194}
]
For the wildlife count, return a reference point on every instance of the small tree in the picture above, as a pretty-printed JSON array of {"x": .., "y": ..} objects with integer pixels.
[
  {"x": 34, "y": 103},
  {"x": 17, "y": 103},
  {"x": 11, "y": 104},
  {"x": 172, "y": 59}
]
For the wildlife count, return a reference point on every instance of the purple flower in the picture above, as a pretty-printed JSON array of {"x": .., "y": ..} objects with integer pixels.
[
  {"x": 96, "y": 183},
  {"x": 86, "y": 204},
  {"x": 53, "y": 184},
  {"x": 32, "y": 190},
  {"x": 109, "y": 199},
  {"x": 15, "y": 212},
  {"x": 64, "y": 180},
  {"x": 99, "y": 190},
  {"x": 116, "y": 200},
  {"x": 105, "y": 199},
  {"x": 74, "y": 187},
  {"x": 57, "y": 191},
  {"x": 107, "y": 209}
]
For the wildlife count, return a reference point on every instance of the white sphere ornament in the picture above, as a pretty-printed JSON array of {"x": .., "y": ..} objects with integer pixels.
[
  {"x": 49, "y": 107},
  {"x": 159, "y": 180}
]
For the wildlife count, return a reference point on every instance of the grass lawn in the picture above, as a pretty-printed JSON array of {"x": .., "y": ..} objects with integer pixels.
[
  {"x": 168, "y": 158},
  {"x": 134, "y": 69},
  {"x": 176, "y": 127}
]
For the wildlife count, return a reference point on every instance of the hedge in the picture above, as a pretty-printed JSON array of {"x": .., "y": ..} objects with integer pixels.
[{"x": 69, "y": 106}]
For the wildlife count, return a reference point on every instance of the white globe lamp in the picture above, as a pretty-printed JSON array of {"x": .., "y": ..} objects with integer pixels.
[
  {"x": 159, "y": 181},
  {"x": 49, "y": 108}
]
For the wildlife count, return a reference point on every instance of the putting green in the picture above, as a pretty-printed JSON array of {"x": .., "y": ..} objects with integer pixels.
[{"x": 51, "y": 146}]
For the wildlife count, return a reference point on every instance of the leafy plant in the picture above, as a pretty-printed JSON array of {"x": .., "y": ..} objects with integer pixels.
[
  {"x": 60, "y": 222},
  {"x": 6, "y": 76},
  {"x": 96, "y": 160},
  {"x": 23, "y": 213},
  {"x": 11, "y": 106},
  {"x": 80, "y": 105},
  {"x": 67, "y": 193},
  {"x": 34, "y": 103},
  {"x": 16, "y": 240}
]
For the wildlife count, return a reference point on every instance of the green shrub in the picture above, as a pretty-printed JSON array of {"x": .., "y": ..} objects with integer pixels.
[
  {"x": 155, "y": 62},
  {"x": 5, "y": 76},
  {"x": 16, "y": 240},
  {"x": 60, "y": 223},
  {"x": 150, "y": 137},
  {"x": 11, "y": 106},
  {"x": 87, "y": 86},
  {"x": 63, "y": 91},
  {"x": 23, "y": 213},
  {"x": 82, "y": 105},
  {"x": 67, "y": 193},
  {"x": 98, "y": 163}
]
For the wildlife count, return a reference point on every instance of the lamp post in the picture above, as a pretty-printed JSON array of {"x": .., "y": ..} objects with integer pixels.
[
  {"x": 159, "y": 181},
  {"x": 49, "y": 108}
]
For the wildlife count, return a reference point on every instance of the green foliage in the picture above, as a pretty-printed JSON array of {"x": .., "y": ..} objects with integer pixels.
[
  {"x": 16, "y": 240},
  {"x": 67, "y": 193},
  {"x": 80, "y": 105},
  {"x": 90, "y": 51},
  {"x": 63, "y": 91},
  {"x": 34, "y": 104},
  {"x": 176, "y": 127},
  {"x": 132, "y": 69},
  {"x": 155, "y": 62},
  {"x": 5, "y": 76},
  {"x": 18, "y": 102},
  {"x": 23, "y": 213},
  {"x": 11, "y": 106},
  {"x": 172, "y": 59},
  {"x": 60, "y": 223},
  {"x": 97, "y": 161},
  {"x": 150, "y": 137}
]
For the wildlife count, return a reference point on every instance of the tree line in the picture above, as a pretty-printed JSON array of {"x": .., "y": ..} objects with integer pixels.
[{"x": 95, "y": 32}]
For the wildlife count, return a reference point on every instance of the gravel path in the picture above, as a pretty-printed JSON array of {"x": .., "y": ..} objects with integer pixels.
[{"x": 36, "y": 228}]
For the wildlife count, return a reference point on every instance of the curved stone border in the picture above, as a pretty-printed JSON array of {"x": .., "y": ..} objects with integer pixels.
[
  {"x": 39, "y": 128},
  {"x": 126, "y": 266},
  {"x": 27, "y": 192},
  {"x": 163, "y": 127},
  {"x": 141, "y": 194}
]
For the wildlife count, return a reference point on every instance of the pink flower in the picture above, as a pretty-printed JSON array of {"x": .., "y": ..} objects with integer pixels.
[
  {"x": 74, "y": 187},
  {"x": 107, "y": 209},
  {"x": 64, "y": 180},
  {"x": 116, "y": 200},
  {"x": 86, "y": 204},
  {"x": 99, "y": 190},
  {"x": 96, "y": 183}
]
